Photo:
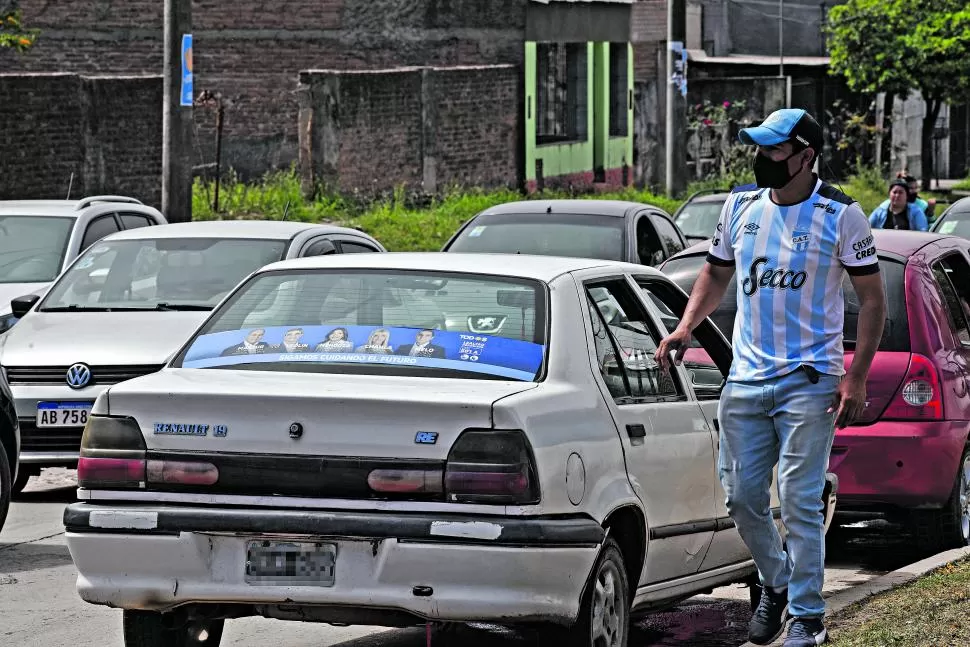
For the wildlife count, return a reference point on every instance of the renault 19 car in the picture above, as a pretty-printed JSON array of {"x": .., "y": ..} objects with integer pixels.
[{"x": 372, "y": 470}]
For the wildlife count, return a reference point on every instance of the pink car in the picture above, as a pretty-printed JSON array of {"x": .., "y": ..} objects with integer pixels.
[{"x": 909, "y": 456}]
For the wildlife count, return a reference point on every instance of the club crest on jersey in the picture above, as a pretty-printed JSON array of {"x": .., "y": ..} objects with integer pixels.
[{"x": 800, "y": 240}]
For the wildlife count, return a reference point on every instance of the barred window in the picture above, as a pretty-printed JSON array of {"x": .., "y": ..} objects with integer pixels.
[
  {"x": 562, "y": 92},
  {"x": 619, "y": 90}
]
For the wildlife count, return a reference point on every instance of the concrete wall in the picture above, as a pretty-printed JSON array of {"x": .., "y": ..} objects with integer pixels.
[
  {"x": 106, "y": 131},
  {"x": 426, "y": 128},
  {"x": 252, "y": 52}
]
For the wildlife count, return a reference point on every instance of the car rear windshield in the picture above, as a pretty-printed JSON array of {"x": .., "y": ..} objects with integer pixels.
[
  {"x": 162, "y": 273},
  {"x": 547, "y": 234},
  {"x": 32, "y": 247},
  {"x": 378, "y": 322},
  {"x": 699, "y": 219},
  {"x": 683, "y": 271}
]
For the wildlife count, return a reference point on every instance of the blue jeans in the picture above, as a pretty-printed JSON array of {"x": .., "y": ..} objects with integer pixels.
[{"x": 781, "y": 421}]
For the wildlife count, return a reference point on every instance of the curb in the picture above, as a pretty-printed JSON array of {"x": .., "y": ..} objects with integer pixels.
[{"x": 890, "y": 580}]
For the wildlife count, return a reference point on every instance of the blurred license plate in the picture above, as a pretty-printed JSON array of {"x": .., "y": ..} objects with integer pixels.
[
  {"x": 290, "y": 563},
  {"x": 62, "y": 414}
]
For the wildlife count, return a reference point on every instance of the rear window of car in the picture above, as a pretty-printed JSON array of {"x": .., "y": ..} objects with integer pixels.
[
  {"x": 570, "y": 235},
  {"x": 378, "y": 322},
  {"x": 699, "y": 219},
  {"x": 683, "y": 271}
]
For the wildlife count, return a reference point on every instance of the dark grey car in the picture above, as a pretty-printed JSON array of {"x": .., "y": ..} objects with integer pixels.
[{"x": 603, "y": 229}]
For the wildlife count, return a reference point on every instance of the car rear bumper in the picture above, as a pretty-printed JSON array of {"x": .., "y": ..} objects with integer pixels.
[
  {"x": 899, "y": 464},
  {"x": 476, "y": 568}
]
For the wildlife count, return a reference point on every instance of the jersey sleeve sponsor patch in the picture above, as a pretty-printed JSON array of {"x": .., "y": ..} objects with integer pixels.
[{"x": 857, "y": 248}]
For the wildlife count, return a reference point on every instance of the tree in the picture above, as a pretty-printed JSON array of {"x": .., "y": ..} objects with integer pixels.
[
  {"x": 897, "y": 46},
  {"x": 13, "y": 34}
]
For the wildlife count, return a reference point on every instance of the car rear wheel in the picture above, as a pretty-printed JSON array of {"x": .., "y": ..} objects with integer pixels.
[
  {"x": 948, "y": 527},
  {"x": 152, "y": 629},
  {"x": 604, "y": 614},
  {"x": 5, "y": 486},
  {"x": 22, "y": 477}
]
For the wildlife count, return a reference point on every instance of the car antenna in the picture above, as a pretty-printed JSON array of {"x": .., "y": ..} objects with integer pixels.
[
  {"x": 286, "y": 209},
  {"x": 70, "y": 186}
]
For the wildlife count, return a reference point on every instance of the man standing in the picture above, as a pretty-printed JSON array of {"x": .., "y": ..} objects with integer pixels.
[
  {"x": 793, "y": 237},
  {"x": 898, "y": 212}
]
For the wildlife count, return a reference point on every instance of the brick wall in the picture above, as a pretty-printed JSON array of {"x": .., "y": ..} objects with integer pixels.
[
  {"x": 426, "y": 128},
  {"x": 252, "y": 51},
  {"x": 477, "y": 136},
  {"x": 649, "y": 18},
  {"x": 106, "y": 131}
]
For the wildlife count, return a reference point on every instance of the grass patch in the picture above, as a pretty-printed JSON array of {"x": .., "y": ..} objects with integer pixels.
[
  {"x": 402, "y": 225},
  {"x": 962, "y": 185},
  {"x": 396, "y": 221},
  {"x": 929, "y": 611}
]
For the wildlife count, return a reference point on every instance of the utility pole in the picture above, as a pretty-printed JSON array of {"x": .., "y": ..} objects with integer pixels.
[
  {"x": 176, "y": 115},
  {"x": 781, "y": 38},
  {"x": 676, "y": 118}
]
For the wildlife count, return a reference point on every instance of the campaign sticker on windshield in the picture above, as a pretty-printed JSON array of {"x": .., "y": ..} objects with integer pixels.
[
  {"x": 948, "y": 227},
  {"x": 426, "y": 348},
  {"x": 476, "y": 231}
]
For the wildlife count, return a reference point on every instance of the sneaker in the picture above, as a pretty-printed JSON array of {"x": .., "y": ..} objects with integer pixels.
[
  {"x": 768, "y": 620},
  {"x": 806, "y": 632}
]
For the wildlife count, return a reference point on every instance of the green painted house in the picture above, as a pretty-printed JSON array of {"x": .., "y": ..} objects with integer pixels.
[{"x": 578, "y": 94}]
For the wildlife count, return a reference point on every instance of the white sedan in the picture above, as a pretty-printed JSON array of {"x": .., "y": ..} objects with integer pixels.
[{"x": 382, "y": 472}]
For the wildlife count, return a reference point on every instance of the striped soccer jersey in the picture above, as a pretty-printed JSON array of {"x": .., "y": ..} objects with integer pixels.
[{"x": 790, "y": 262}]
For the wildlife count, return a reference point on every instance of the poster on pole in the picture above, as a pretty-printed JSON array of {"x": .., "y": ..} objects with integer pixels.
[{"x": 186, "y": 95}]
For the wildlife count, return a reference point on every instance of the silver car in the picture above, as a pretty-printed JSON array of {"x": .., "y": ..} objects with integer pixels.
[
  {"x": 40, "y": 238},
  {"x": 124, "y": 307}
]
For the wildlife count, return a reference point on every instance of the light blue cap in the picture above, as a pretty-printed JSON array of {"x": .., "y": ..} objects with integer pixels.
[{"x": 778, "y": 127}]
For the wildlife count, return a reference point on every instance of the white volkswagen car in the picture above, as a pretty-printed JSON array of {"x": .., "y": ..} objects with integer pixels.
[
  {"x": 123, "y": 308},
  {"x": 379, "y": 472}
]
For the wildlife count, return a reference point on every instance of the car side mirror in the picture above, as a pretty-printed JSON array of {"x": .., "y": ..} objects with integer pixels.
[{"x": 22, "y": 305}]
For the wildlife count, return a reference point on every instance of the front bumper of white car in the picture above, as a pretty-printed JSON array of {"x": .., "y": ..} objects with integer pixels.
[{"x": 425, "y": 566}]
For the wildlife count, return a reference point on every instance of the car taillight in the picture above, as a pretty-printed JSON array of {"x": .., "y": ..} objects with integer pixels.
[
  {"x": 920, "y": 396},
  {"x": 163, "y": 472},
  {"x": 491, "y": 467},
  {"x": 112, "y": 454},
  {"x": 404, "y": 481}
]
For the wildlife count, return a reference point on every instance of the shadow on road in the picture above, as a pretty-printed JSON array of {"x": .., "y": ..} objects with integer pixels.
[
  {"x": 26, "y": 557},
  {"x": 48, "y": 495}
]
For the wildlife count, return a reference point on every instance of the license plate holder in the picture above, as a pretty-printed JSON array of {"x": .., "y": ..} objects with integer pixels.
[
  {"x": 62, "y": 414},
  {"x": 290, "y": 563}
]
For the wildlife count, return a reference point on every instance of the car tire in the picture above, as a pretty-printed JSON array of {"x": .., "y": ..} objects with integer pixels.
[
  {"x": 604, "y": 613},
  {"x": 22, "y": 478},
  {"x": 6, "y": 489},
  {"x": 949, "y": 526},
  {"x": 150, "y": 629}
]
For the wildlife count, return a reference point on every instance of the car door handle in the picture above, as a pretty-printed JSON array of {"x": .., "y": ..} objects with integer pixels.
[
  {"x": 717, "y": 426},
  {"x": 636, "y": 431}
]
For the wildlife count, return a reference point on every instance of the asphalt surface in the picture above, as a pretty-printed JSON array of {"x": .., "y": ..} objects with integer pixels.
[{"x": 40, "y": 607}]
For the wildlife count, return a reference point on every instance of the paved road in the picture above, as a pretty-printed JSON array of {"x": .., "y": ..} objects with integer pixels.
[{"x": 41, "y": 609}]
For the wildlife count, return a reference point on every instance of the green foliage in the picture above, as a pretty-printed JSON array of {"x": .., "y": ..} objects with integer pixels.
[
  {"x": 897, "y": 46},
  {"x": 13, "y": 34},
  {"x": 395, "y": 221}
]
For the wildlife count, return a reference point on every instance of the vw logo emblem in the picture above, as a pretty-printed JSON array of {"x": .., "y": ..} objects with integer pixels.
[{"x": 78, "y": 376}]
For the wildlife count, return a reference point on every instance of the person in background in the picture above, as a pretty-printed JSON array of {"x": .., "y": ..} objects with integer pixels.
[
  {"x": 912, "y": 185},
  {"x": 898, "y": 212}
]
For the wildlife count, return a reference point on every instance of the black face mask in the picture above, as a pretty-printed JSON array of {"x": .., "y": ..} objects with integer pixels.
[
  {"x": 911, "y": 197},
  {"x": 769, "y": 174}
]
